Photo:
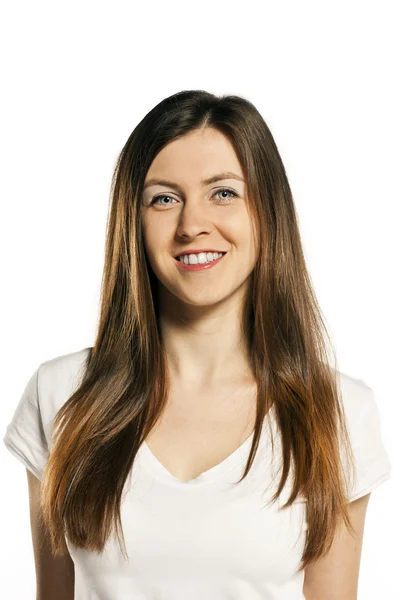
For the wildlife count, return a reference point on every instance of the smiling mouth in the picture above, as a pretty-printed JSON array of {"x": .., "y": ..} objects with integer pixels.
[{"x": 177, "y": 258}]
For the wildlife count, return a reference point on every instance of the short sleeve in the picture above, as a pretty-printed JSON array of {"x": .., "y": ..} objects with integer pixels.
[
  {"x": 25, "y": 437},
  {"x": 372, "y": 465}
]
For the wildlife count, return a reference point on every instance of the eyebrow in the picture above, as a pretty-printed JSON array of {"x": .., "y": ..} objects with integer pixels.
[{"x": 204, "y": 182}]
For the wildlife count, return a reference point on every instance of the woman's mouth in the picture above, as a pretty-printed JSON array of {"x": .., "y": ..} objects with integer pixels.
[{"x": 190, "y": 265}]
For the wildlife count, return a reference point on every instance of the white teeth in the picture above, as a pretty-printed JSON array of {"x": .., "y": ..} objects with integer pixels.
[{"x": 201, "y": 258}]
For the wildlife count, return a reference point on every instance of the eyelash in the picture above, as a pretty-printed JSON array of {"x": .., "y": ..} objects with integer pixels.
[{"x": 234, "y": 194}]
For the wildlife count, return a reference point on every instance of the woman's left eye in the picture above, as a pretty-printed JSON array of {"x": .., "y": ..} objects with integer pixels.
[
  {"x": 226, "y": 190},
  {"x": 220, "y": 191}
]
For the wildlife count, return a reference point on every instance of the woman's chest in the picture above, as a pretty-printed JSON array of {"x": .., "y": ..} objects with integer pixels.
[{"x": 196, "y": 434}]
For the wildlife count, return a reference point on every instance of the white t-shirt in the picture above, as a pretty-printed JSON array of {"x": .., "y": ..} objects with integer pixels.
[{"x": 206, "y": 538}]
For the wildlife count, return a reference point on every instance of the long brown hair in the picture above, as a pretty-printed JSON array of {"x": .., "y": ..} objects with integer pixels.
[{"x": 98, "y": 430}]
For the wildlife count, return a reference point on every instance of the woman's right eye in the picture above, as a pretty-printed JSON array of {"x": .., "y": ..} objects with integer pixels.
[{"x": 159, "y": 197}]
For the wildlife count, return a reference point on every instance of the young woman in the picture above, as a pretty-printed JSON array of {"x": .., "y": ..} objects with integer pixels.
[{"x": 204, "y": 447}]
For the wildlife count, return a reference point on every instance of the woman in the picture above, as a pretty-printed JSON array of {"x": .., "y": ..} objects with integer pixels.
[{"x": 209, "y": 329}]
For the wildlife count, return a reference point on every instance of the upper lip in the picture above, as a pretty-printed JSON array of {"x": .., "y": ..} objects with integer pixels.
[{"x": 197, "y": 250}]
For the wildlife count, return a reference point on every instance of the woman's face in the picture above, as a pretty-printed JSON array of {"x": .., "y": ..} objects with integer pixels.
[{"x": 190, "y": 216}]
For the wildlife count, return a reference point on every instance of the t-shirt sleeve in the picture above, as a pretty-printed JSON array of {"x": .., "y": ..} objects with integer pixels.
[
  {"x": 372, "y": 465},
  {"x": 25, "y": 437}
]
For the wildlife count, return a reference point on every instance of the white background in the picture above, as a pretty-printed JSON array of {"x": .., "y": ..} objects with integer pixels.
[{"x": 77, "y": 78}]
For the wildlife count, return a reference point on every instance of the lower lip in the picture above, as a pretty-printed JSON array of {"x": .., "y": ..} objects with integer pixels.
[{"x": 200, "y": 266}]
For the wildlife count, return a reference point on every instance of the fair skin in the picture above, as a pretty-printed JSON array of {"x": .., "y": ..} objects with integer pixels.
[
  {"x": 211, "y": 404},
  {"x": 200, "y": 311}
]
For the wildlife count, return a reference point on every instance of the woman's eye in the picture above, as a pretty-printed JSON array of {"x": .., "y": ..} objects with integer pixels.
[
  {"x": 159, "y": 198},
  {"x": 220, "y": 191},
  {"x": 226, "y": 190}
]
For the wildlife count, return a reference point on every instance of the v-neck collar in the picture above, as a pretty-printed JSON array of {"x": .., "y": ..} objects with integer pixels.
[{"x": 161, "y": 473}]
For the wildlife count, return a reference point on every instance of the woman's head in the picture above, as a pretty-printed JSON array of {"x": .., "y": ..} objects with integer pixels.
[{"x": 185, "y": 139}]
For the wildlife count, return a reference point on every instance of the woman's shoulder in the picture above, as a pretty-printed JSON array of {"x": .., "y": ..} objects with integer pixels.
[
  {"x": 28, "y": 435},
  {"x": 355, "y": 393},
  {"x": 64, "y": 364},
  {"x": 57, "y": 379},
  {"x": 364, "y": 423}
]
